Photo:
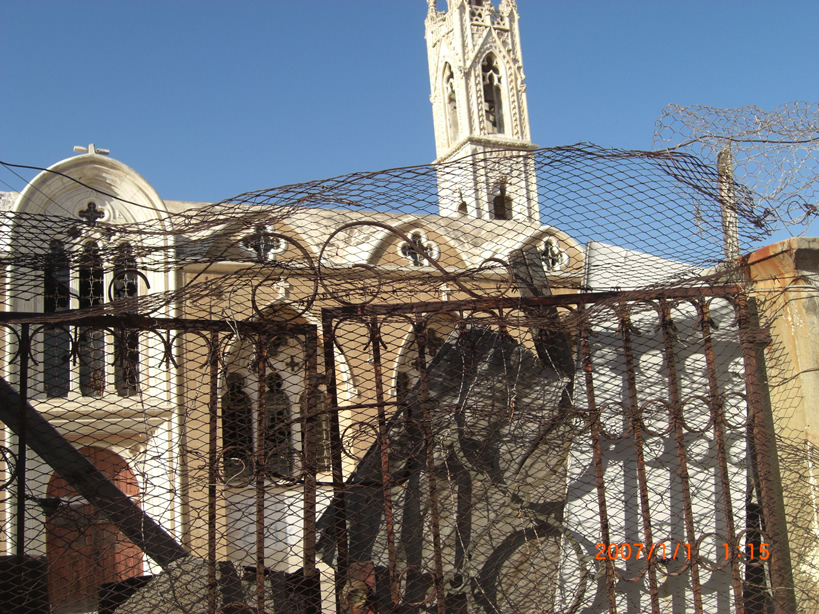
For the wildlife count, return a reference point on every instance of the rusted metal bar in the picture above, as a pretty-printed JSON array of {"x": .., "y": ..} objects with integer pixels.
[
  {"x": 44, "y": 440},
  {"x": 260, "y": 467},
  {"x": 556, "y": 300},
  {"x": 384, "y": 444},
  {"x": 637, "y": 434},
  {"x": 775, "y": 528},
  {"x": 140, "y": 322},
  {"x": 213, "y": 474},
  {"x": 429, "y": 446},
  {"x": 667, "y": 325},
  {"x": 600, "y": 482},
  {"x": 717, "y": 414},
  {"x": 22, "y": 444},
  {"x": 336, "y": 450},
  {"x": 309, "y": 409}
]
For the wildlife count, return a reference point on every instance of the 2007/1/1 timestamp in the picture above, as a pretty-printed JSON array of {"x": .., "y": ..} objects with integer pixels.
[{"x": 751, "y": 551}]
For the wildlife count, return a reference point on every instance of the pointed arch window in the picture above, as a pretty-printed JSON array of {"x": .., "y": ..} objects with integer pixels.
[
  {"x": 453, "y": 129},
  {"x": 91, "y": 341},
  {"x": 56, "y": 340},
  {"x": 492, "y": 95}
]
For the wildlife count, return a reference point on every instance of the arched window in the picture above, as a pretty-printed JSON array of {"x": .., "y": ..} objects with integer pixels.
[
  {"x": 56, "y": 340},
  {"x": 237, "y": 427},
  {"x": 278, "y": 450},
  {"x": 462, "y": 207},
  {"x": 451, "y": 105},
  {"x": 492, "y": 95},
  {"x": 126, "y": 342},
  {"x": 91, "y": 341},
  {"x": 502, "y": 205}
]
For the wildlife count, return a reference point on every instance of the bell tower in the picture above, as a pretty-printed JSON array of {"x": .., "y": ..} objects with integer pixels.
[{"x": 479, "y": 110}]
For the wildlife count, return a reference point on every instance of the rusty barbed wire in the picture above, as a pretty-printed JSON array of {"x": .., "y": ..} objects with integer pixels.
[{"x": 773, "y": 153}]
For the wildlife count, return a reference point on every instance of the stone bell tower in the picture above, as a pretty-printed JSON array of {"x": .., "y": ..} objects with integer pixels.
[{"x": 479, "y": 109}]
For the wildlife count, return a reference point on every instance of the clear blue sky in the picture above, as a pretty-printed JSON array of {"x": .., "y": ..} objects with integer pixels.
[{"x": 210, "y": 99}]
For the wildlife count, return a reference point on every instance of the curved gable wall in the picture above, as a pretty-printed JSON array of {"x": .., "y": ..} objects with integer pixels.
[{"x": 54, "y": 191}]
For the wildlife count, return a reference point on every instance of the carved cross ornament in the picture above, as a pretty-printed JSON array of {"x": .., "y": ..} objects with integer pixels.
[
  {"x": 91, "y": 213},
  {"x": 554, "y": 257},
  {"x": 418, "y": 249},
  {"x": 265, "y": 246}
]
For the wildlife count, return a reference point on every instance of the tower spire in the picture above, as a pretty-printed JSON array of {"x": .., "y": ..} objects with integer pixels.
[{"x": 479, "y": 107}]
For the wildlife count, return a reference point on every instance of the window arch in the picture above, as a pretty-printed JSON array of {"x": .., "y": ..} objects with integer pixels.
[
  {"x": 91, "y": 341},
  {"x": 451, "y": 105},
  {"x": 56, "y": 340},
  {"x": 502, "y": 204},
  {"x": 237, "y": 427},
  {"x": 126, "y": 342},
  {"x": 492, "y": 95},
  {"x": 277, "y": 429}
]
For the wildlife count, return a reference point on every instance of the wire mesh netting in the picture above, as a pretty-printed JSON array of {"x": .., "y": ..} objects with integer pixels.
[
  {"x": 512, "y": 383},
  {"x": 772, "y": 153}
]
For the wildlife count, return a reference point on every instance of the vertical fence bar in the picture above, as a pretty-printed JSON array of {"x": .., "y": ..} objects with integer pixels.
[
  {"x": 600, "y": 483},
  {"x": 775, "y": 528},
  {"x": 637, "y": 433},
  {"x": 384, "y": 443},
  {"x": 260, "y": 466},
  {"x": 22, "y": 444},
  {"x": 429, "y": 446},
  {"x": 213, "y": 473},
  {"x": 309, "y": 417},
  {"x": 340, "y": 521},
  {"x": 667, "y": 326},
  {"x": 719, "y": 436}
]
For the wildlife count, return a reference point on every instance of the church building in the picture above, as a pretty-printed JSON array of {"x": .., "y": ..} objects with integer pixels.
[
  {"x": 416, "y": 386},
  {"x": 90, "y": 235}
]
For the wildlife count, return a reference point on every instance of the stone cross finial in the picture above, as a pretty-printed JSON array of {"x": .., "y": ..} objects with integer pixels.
[{"x": 92, "y": 149}]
